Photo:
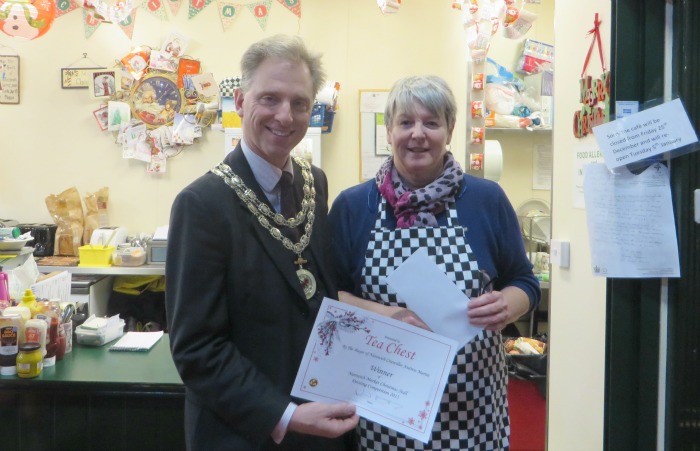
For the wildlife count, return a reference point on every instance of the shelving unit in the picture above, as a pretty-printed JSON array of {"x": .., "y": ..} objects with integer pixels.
[
  {"x": 143, "y": 270},
  {"x": 99, "y": 293},
  {"x": 524, "y": 130}
]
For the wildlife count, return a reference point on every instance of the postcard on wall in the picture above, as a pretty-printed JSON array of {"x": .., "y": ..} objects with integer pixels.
[
  {"x": 118, "y": 113},
  {"x": 186, "y": 67},
  {"x": 104, "y": 82},
  {"x": 77, "y": 77},
  {"x": 162, "y": 61},
  {"x": 175, "y": 45},
  {"x": 9, "y": 79},
  {"x": 205, "y": 85},
  {"x": 102, "y": 116},
  {"x": 126, "y": 79}
]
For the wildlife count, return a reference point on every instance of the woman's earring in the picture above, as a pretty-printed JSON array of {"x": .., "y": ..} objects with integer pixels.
[{"x": 448, "y": 147}]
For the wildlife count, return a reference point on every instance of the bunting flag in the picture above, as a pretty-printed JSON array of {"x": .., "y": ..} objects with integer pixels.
[
  {"x": 228, "y": 13},
  {"x": 65, "y": 6},
  {"x": 127, "y": 25},
  {"x": 261, "y": 11},
  {"x": 156, "y": 8},
  {"x": 196, "y": 6},
  {"x": 90, "y": 22},
  {"x": 292, "y": 5},
  {"x": 174, "y": 6}
]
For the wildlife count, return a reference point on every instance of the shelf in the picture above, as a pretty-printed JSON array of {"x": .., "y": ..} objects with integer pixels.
[
  {"x": 515, "y": 130},
  {"x": 143, "y": 270}
]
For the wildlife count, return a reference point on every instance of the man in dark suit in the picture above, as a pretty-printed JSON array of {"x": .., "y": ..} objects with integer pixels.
[{"x": 244, "y": 284}]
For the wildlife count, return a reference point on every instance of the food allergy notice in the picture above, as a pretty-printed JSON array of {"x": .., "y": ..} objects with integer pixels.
[{"x": 645, "y": 134}]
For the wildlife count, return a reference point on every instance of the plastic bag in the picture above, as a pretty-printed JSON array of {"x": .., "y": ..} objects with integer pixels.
[{"x": 529, "y": 367}]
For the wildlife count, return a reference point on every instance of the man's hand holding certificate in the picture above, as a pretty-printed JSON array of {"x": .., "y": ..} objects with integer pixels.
[{"x": 393, "y": 372}]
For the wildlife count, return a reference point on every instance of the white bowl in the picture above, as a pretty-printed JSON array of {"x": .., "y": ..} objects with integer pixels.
[{"x": 12, "y": 245}]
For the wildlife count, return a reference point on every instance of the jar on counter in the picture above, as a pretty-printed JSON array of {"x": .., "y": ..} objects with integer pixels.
[{"x": 29, "y": 360}]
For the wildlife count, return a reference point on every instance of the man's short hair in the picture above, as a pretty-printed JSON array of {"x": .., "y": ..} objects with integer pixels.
[{"x": 285, "y": 47}]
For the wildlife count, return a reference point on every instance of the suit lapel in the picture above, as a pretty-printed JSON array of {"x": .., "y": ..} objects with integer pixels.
[{"x": 280, "y": 256}]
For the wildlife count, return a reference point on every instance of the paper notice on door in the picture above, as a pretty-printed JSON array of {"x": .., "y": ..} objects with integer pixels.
[{"x": 631, "y": 228}]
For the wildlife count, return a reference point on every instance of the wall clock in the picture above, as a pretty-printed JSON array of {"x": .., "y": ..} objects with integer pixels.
[{"x": 155, "y": 100}]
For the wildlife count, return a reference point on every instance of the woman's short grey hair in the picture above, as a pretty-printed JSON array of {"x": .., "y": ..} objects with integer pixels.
[
  {"x": 430, "y": 90},
  {"x": 289, "y": 48}
]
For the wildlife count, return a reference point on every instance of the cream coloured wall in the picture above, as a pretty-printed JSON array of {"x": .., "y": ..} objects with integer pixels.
[
  {"x": 577, "y": 310},
  {"x": 52, "y": 136}
]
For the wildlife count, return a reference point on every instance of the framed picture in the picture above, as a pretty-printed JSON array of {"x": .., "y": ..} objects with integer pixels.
[
  {"x": 77, "y": 77},
  {"x": 156, "y": 99},
  {"x": 9, "y": 79},
  {"x": 104, "y": 82}
]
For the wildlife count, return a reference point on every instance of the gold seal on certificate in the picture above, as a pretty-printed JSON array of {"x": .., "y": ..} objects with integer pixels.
[{"x": 393, "y": 372}]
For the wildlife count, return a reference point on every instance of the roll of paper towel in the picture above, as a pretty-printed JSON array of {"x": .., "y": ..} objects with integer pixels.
[{"x": 493, "y": 160}]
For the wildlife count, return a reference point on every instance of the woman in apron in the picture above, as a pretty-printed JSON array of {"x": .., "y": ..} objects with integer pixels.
[{"x": 420, "y": 198}]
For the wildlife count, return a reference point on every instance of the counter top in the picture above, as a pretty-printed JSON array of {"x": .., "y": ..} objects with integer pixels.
[{"x": 98, "y": 369}]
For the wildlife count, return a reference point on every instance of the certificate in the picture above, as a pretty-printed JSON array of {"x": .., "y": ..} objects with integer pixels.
[{"x": 395, "y": 373}]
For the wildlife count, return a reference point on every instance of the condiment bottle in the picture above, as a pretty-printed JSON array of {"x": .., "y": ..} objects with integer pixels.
[
  {"x": 29, "y": 360},
  {"x": 29, "y": 301},
  {"x": 35, "y": 332},
  {"x": 4, "y": 291},
  {"x": 20, "y": 310},
  {"x": 10, "y": 329}
]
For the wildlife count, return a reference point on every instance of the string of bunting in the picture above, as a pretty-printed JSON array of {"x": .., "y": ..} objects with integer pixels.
[{"x": 123, "y": 12}]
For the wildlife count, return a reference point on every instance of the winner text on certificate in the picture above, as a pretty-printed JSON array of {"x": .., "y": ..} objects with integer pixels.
[{"x": 393, "y": 372}]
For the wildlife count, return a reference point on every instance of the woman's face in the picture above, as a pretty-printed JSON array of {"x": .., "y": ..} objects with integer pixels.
[{"x": 419, "y": 139}]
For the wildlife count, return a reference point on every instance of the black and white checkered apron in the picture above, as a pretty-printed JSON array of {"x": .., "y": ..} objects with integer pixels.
[{"x": 474, "y": 409}]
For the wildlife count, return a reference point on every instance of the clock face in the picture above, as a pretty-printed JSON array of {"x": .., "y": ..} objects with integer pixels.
[{"x": 155, "y": 100}]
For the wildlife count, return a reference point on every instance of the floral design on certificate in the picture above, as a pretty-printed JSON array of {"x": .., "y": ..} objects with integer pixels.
[
  {"x": 422, "y": 417},
  {"x": 328, "y": 330}
]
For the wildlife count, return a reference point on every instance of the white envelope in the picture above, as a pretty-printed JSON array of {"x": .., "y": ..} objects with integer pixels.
[{"x": 426, "y": 290}]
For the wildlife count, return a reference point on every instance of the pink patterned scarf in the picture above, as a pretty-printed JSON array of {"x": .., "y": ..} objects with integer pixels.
[{"x": 418, "y": 207}]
